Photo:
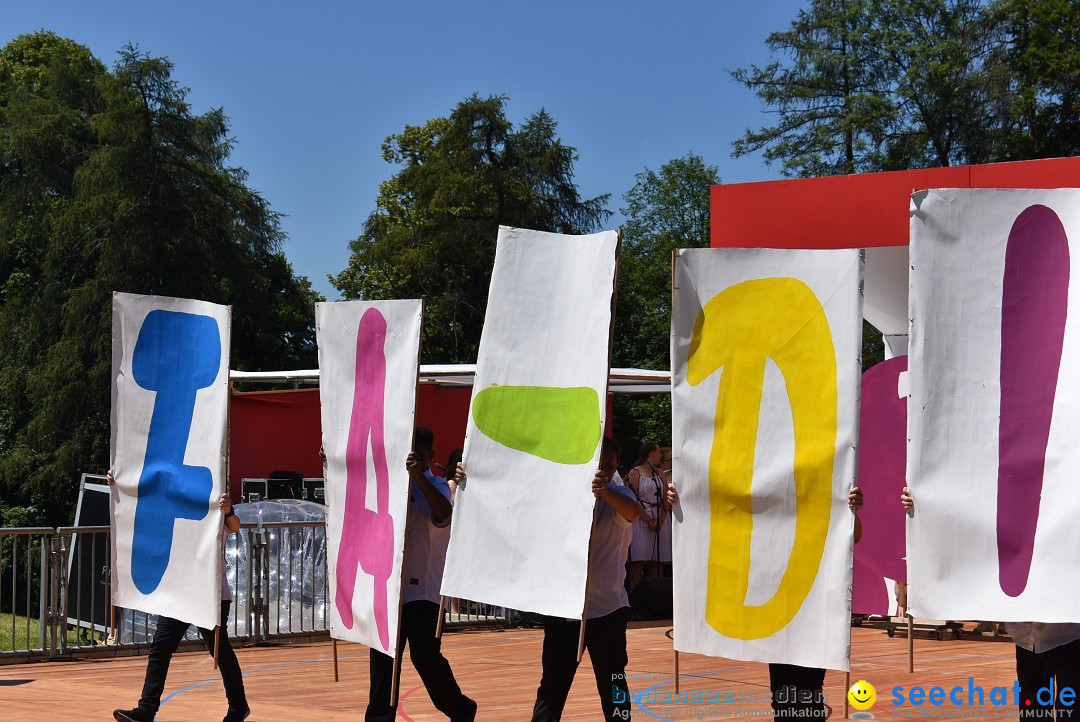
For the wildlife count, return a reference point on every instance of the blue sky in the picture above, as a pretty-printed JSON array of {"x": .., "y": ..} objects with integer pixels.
[{"x": 312, "y": 89}]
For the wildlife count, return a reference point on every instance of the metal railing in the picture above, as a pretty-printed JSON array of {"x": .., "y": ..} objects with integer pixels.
[
  {"x": 54, "y": 592},
  {"x": 25, "y": 602}
]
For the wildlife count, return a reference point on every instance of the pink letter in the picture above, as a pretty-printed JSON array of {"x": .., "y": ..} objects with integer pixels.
[
  {"x": 367, "y": 537},
  {"x": 1034, "y": 301}
]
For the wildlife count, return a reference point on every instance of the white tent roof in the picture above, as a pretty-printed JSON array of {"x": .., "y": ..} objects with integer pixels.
[{"x": 620, "y": 381}]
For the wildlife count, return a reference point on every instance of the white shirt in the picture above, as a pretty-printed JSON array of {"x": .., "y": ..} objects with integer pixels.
[
  {"x": 607, "y": 557},
  {"x": 1042, "y": 636},
  {"x": 425, "y": 544},
  {"x": 226, "y": 590}
]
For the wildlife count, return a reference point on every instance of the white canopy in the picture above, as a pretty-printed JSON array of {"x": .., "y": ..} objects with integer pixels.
[{"x": 620, "y": 381}]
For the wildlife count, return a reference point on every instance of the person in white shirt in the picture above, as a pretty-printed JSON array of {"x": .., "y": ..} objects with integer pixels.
[
  {"x": 606, "y": 605},
  {"x": 426, "y": 539},
  {"x": 170, "y": 632}
]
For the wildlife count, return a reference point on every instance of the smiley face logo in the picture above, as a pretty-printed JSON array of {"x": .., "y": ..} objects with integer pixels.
[{"x": 862, "y": 695}]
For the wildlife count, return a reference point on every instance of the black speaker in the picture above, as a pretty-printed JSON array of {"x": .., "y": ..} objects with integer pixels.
[
  {"x": 651, "y": 598},
  {"x": 314, "y": 490},
  {"x": 284, "y": 485}
]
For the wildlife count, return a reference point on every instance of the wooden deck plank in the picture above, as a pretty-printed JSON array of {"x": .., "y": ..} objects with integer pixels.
[{"x": 498, "y": 668}]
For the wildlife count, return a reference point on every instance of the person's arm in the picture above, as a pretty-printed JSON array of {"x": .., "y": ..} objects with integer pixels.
[
  {"x": 907, "y": 501},
  {"x": 671, "y": 496},
  {"x": 855, "y": 502},
  {"x": 664, "y": 486},
  {"x": 628, "y": 508},
  {"x": 665, "y": 506},
  {"x": 441, "y": 508},
  {"x": 232, "y": 521}
]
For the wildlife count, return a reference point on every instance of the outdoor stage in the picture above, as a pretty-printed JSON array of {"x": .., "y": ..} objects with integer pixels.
[{"x": 500, "y": 670}]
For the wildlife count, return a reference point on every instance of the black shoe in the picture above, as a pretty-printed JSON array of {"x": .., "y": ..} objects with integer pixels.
[
  {"x": 470, "y": 713},
  {"x": 237, "y": 715},
  {"x": 138, "y": 714}
]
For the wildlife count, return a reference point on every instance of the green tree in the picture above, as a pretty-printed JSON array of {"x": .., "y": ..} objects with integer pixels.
[
  {"x": 1042, "y": 55},
  {"x": 108, "y": 182},
  {"x": 947, "y": 92},
  {"x": 666, "y": 209},
  {"x": 833, "y": 116},
  {"x": 874, "y": 85},
  {"x": 432, "y": 235}
]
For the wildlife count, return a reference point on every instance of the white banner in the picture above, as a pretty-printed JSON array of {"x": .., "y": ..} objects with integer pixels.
[
  {"x": 170, "y": 396},
  {"x": 368, "y": 364},
  {"x": 520, "y": 535},
  {"x": 765, "y": 397},
  {"x": 992, "y": 452}
]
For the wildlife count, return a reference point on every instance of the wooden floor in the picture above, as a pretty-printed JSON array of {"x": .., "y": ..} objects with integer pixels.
[{"x": 500, "y": 670}]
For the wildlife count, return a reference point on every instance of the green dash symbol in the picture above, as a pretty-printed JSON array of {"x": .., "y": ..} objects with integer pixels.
[{"x": 554, "y": 423}]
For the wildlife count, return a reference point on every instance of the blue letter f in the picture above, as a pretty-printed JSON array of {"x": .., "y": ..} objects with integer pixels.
[{"x": 175, "y": 355}]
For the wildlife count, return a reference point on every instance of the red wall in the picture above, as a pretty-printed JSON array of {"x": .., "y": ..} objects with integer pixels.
[
  {"x": 271, "y": 430},
  {"x": 444, "y": 410},
  {"x": 857, "y": 211}
]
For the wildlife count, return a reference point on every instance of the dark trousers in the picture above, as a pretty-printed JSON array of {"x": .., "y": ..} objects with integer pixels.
[
  {"x": 605, "y": 638},
  {"x": 167, "y": 638},
  {"x": 797, "y": 692},
  {"x": 1038, "y": 671},
  {"x": 418, "y": 622}
]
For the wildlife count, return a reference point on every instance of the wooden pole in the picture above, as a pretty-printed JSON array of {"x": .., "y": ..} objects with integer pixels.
[
  {"x": 847, "y": 686},
  {"x": 398, "y": 647},
  {"x": 585, "y": 611},
  {"x": 674, "y": 255},
  {"x": 396, "y": 679},
  {"x": 336, "y": 677},
  {"x": 581, "y": 640},
  {"x": 442, "y": 615},
  {"x": 910, "y": 643},
  {"x": 112, "y": 623},
  {"x": 224, "y": 529},
  {"x": 228, "y": 434},
  {"x": 592, "y": 527}
]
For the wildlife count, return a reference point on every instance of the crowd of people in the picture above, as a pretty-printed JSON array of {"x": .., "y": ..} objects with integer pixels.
[
  {"x": 619, "y": 510},
  {"x": 630, "y": 541}
]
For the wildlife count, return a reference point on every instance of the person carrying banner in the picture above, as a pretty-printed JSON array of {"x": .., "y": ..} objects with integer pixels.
[
  {"x": 167, "y": 638},
  {"x": 1045, "y": 653},
  {"x": 798, "y": 692},
  {"x": 426, "y": 537},
  {"x": 606, "y": 605}
]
